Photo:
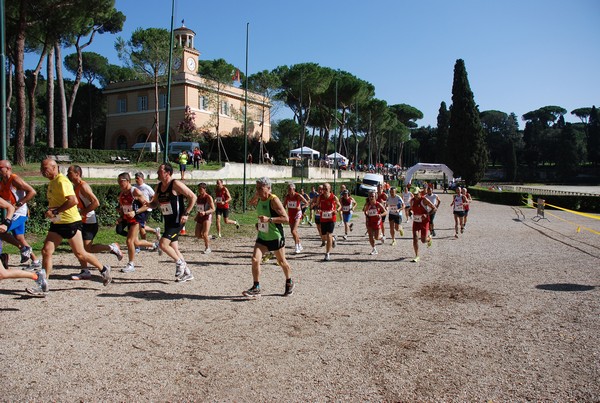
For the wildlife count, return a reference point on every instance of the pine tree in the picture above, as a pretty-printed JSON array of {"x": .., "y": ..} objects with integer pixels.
[{"x": 467, "y": 153}]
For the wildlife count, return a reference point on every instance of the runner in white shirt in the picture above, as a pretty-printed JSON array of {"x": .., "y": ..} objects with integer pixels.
[
  {"x": 148, "y": 193},
  {"x": 406, "y": 198},
  {"x": 395, "y": 205},
  {"x": 435, "y": 200}
]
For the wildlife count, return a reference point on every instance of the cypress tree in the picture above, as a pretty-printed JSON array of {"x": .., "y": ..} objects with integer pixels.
[
  {"x": 467, "y": 152},
  {"x": 443, "y": 124}
]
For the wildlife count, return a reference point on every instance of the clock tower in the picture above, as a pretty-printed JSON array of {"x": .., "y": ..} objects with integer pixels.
[{"x": 187, "y": 59}]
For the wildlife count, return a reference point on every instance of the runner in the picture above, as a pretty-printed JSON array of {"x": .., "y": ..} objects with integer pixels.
[
  {"x": 39, "y": 276},
  {"x": 374, "y": 212},
  {"x": 467, "y": 206},
  {"x": 271, "y": 216},
  {"x": 406, "y": 198},
  {"x": 395, "y": 206},
  {"x": 222, "y": 200},
  {"x": 293, "y": 201},
  {"x": 205, "y": 207},
  {"x": 458, "y": 208},
  {"x": 170, "y": 195},
  {"x": 66, "y": 224},
  {"x": 148, "y": 193},
  {"x": 317, "y": 210},
  {"x": 435, "y": 200},
  {"x": 14, "y": 190},
  {"x": 348, "y": 205},
  {"x": 183, "y": 160},
  {"x": 312, "y": 197},
  {"x": 329, "y": 205},
  {"x": 420, "y": 207},
  {"x": 133, "y": 206},
  {"x": 304, "y": 206},
  {"x": 87, "y": 203},
  {"x": 382, "y": 198}
]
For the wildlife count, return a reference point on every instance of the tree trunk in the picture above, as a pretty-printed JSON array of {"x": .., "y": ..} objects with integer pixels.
[
  {"x": 19, "y": 157},
  {"x": 50, "y": 98},
  {"x": 9, "y": 90},
  {"x": 62, "y": 97},
  {"x": 156, "y": 116},
  {"x": 31, "y": 97}
]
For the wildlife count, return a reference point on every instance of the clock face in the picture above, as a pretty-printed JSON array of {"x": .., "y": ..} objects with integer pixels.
[
  {"x": 177, "y": 63},
  {"x": 191, "y": 64}
]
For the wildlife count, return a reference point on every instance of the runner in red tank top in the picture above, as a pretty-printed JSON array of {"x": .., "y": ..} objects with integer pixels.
[{"x": 420, "y": 208}]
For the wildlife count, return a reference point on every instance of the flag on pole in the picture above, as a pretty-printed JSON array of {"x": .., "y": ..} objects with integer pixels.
[{"x": 236, "y": 75}]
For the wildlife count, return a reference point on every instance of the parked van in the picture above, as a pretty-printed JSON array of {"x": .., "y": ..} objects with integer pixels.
[
  {"x": 176, "y": 147},
  {"x": 150, "y": 147},
  {"x": 369, "y": 183}
]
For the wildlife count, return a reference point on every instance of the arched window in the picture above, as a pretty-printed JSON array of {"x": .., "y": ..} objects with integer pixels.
[{"x": 122, "y": 143}]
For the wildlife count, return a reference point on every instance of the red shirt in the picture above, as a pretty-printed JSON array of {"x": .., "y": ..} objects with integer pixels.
[
  {"x": 327, "y": 207},
  {"x": 222, "y": 195}
]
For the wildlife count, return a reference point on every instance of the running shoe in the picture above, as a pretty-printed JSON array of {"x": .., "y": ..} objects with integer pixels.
[
  {"x": 401, "y": 231},
  {"x": 298, "y": 249},
  {"x": 301, "y": 248},
  {"x": 345, "y": 237},
  {"x": 432, "y": 232},
  {"x": 137, "y": 249},
  {"x": 462, "y": 229},
  {"x": 187, "y": 276},
  {"x": 130, "y": 268},
  {"x": 334, "y": 241},
  {"x": 327, "y": 257},
  {"x": 157, "y": 229},
  {"x": 374, "y": 252},
  {"x": 267, "y": 257},
  {"x": 116, "y": 250},
  {"x": 84, "y": 274},
  {"x": 416, "y": 259},
  {"x": 382, "y": 239},
  {"x": 322, "y": 243},
  {"x": 310, "y": 223},
  {"x": 351, "y": 225},
  {"x": 180, "y": 267},
  {"x": 156, "y": 247},
  {"x": 253, "y": 292},
  {"x": 455, "y": 235},
  {"x": 33, "y": 266},
  {"x": 106, "y": 277},
  {"x": 25, "y": 253},
  {"x": 207, "y": 251},
  {"x": 289, "y": 288},
  {"x": 393, "y": 242},
  {"x": 429, "y": 242},
  {"x": 41, "y": 285},
  {"x": 237, "y": 225}
]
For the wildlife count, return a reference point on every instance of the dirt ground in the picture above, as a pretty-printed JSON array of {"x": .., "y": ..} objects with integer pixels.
[{"x": 509, "y": 311}]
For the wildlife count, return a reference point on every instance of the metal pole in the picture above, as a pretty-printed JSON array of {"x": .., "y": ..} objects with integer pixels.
[
  {"x": 3, "y": 81},
  {"x": 245, "y": 121},
  {"x": 302, "y": 138},
  {"x": 335, "y": 134},
  {"x": 169, "y": 79}
]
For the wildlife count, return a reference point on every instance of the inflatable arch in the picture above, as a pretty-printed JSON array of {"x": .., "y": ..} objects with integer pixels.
[{"x": 428, "y": 167}]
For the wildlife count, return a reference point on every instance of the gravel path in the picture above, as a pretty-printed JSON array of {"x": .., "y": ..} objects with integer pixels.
[{"x": 509, "y": 311}]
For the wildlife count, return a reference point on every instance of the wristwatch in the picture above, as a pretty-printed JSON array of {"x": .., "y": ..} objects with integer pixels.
[{"x": 270, "y": 219}]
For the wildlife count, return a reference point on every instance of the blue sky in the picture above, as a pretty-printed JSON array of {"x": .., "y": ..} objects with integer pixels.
[{"x": 520, "y": 54}]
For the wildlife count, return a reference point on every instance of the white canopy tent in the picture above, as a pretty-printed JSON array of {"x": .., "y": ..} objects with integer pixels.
[
  {"x": 305, "y": 152},
  {"x": 428, "y": 167},
  {"x": 339, "y": 157}
]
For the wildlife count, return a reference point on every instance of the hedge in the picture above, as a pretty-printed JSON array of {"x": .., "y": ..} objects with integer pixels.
[
  {"x": 38, "y": 152},
  {"x": 590, "y": 204}
]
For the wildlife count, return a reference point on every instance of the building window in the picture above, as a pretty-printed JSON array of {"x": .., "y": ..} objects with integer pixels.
[
  {"x": 142, "y": 103},
  {"x": 162, "y": 101},
  {"x": 121, "y": 105},
  {"x": 224, "y": 108},
  {"x": 122, "y": 143},
  {"x": 203, "y": 102}
]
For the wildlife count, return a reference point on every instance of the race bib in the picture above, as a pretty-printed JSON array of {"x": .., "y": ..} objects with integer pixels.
[
  {"x": 263, "y": 226},
  {"x": 418, "y": 218},
  {"x": 394, "y": 210},
  {"x": 372, "y": 212},
  {"x": 326, "y": 214},
  {"x": 345, "y": 209},
  {"x": 459, "y": 207},
  {"x": 293, "y": 204},
  {"x": 219, "y": 200},
  {"x": 166, "y": 208},
  {"x": 200, "y": 207},
  {"x": 127, "y": 208}
]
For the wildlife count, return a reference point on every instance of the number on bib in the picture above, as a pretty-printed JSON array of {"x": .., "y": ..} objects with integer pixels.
[{"x": 166, "y": 208}]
